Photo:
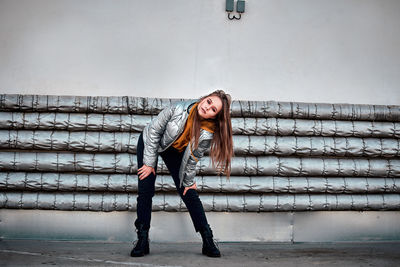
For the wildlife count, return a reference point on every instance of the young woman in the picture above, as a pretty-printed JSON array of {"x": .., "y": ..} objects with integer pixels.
[{"x": 180, "y": 134}]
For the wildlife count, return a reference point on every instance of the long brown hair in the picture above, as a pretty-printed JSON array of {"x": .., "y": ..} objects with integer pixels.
[{"x": 221, "y": 150}]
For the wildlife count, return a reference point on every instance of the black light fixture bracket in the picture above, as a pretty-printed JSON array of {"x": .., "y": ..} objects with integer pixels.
[{"x": 240, "y": 8}]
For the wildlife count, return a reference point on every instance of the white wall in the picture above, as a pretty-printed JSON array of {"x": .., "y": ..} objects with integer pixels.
[{"x": 304, "y": 50}]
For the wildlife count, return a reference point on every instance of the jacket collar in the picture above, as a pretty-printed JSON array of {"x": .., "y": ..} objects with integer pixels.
[{"x": 191, "y": 105}]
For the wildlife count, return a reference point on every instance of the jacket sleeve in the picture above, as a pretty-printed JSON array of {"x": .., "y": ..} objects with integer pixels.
[
  {"x": 195, "y": 155},
  {"x": 152, "y": 135}
]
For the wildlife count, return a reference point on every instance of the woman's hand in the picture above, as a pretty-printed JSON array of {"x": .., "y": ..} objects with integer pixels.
[
  {"x": 190, "y": 187},
  {"x": 145, "y": 171}
]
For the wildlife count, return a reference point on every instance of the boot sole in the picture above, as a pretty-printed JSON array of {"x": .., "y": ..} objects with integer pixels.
[
  {"x": 147, "y": 251},
  {"x": 212, "y": 255}
]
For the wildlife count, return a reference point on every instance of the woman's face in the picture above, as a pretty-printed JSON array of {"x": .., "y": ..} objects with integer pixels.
[{"x": 209, "y": 107}]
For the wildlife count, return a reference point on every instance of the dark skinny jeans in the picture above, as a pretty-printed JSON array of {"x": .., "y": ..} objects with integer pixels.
[{"x": 172, "y": 159}]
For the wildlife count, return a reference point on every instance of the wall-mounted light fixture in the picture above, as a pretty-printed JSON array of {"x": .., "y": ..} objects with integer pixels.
[{"x": 229, "y": 7}]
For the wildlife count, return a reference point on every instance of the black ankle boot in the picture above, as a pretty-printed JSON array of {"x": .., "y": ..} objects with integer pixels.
[
  {"x": 142, "y": 244},
  {"x": 209, "y": 245}
]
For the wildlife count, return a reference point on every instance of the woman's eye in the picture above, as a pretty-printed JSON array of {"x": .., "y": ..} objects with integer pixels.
[{"x": 208, "y": 101}]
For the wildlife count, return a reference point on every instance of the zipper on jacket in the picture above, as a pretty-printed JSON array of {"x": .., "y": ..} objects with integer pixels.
[{"x": 181, "y": 129}]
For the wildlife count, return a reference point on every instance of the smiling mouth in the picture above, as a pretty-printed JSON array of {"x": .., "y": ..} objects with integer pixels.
[{"x": 203, "y": 110}]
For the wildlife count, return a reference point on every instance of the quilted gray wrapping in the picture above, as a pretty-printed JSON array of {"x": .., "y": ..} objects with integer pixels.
[{"x": 78, "y": 153}]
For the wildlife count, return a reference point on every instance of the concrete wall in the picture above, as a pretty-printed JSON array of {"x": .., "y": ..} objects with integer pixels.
[
  {"x": 308, "y": 50},
  {"x": 312, "y": 226}
]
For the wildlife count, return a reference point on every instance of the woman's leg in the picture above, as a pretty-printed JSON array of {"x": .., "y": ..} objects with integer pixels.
[
  {"x": 173, "y": 159},
  {"x": 145, "y": 191}
]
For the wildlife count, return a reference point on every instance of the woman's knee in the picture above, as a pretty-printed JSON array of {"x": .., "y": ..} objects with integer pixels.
[
  {"x": 146, "y": 190},
  {"x": 146, "y": 193}
]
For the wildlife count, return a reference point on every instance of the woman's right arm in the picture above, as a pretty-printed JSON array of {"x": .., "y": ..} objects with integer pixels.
[{"x": 152, "y": 135}]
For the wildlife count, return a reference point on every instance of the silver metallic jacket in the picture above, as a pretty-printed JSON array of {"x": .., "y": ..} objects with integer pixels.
[{"x": 163, "y": 130}]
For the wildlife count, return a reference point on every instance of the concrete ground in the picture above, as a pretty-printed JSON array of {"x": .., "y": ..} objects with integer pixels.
[{"x": 67, "y": 253}]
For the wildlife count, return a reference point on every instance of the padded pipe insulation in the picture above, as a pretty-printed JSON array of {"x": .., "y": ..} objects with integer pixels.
[
  {"x": 25, "y": 181},
  {"x": 89, "y": 141},
  {"x": 141, "y": 105},
  {"x": 240, "y": 126},
  {"x": 248, "y": 166},
  {"x": 211, "y": 202}
]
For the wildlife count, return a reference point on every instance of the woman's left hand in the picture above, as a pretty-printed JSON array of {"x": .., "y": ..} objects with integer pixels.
[{"x": 190, "y": 187}]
